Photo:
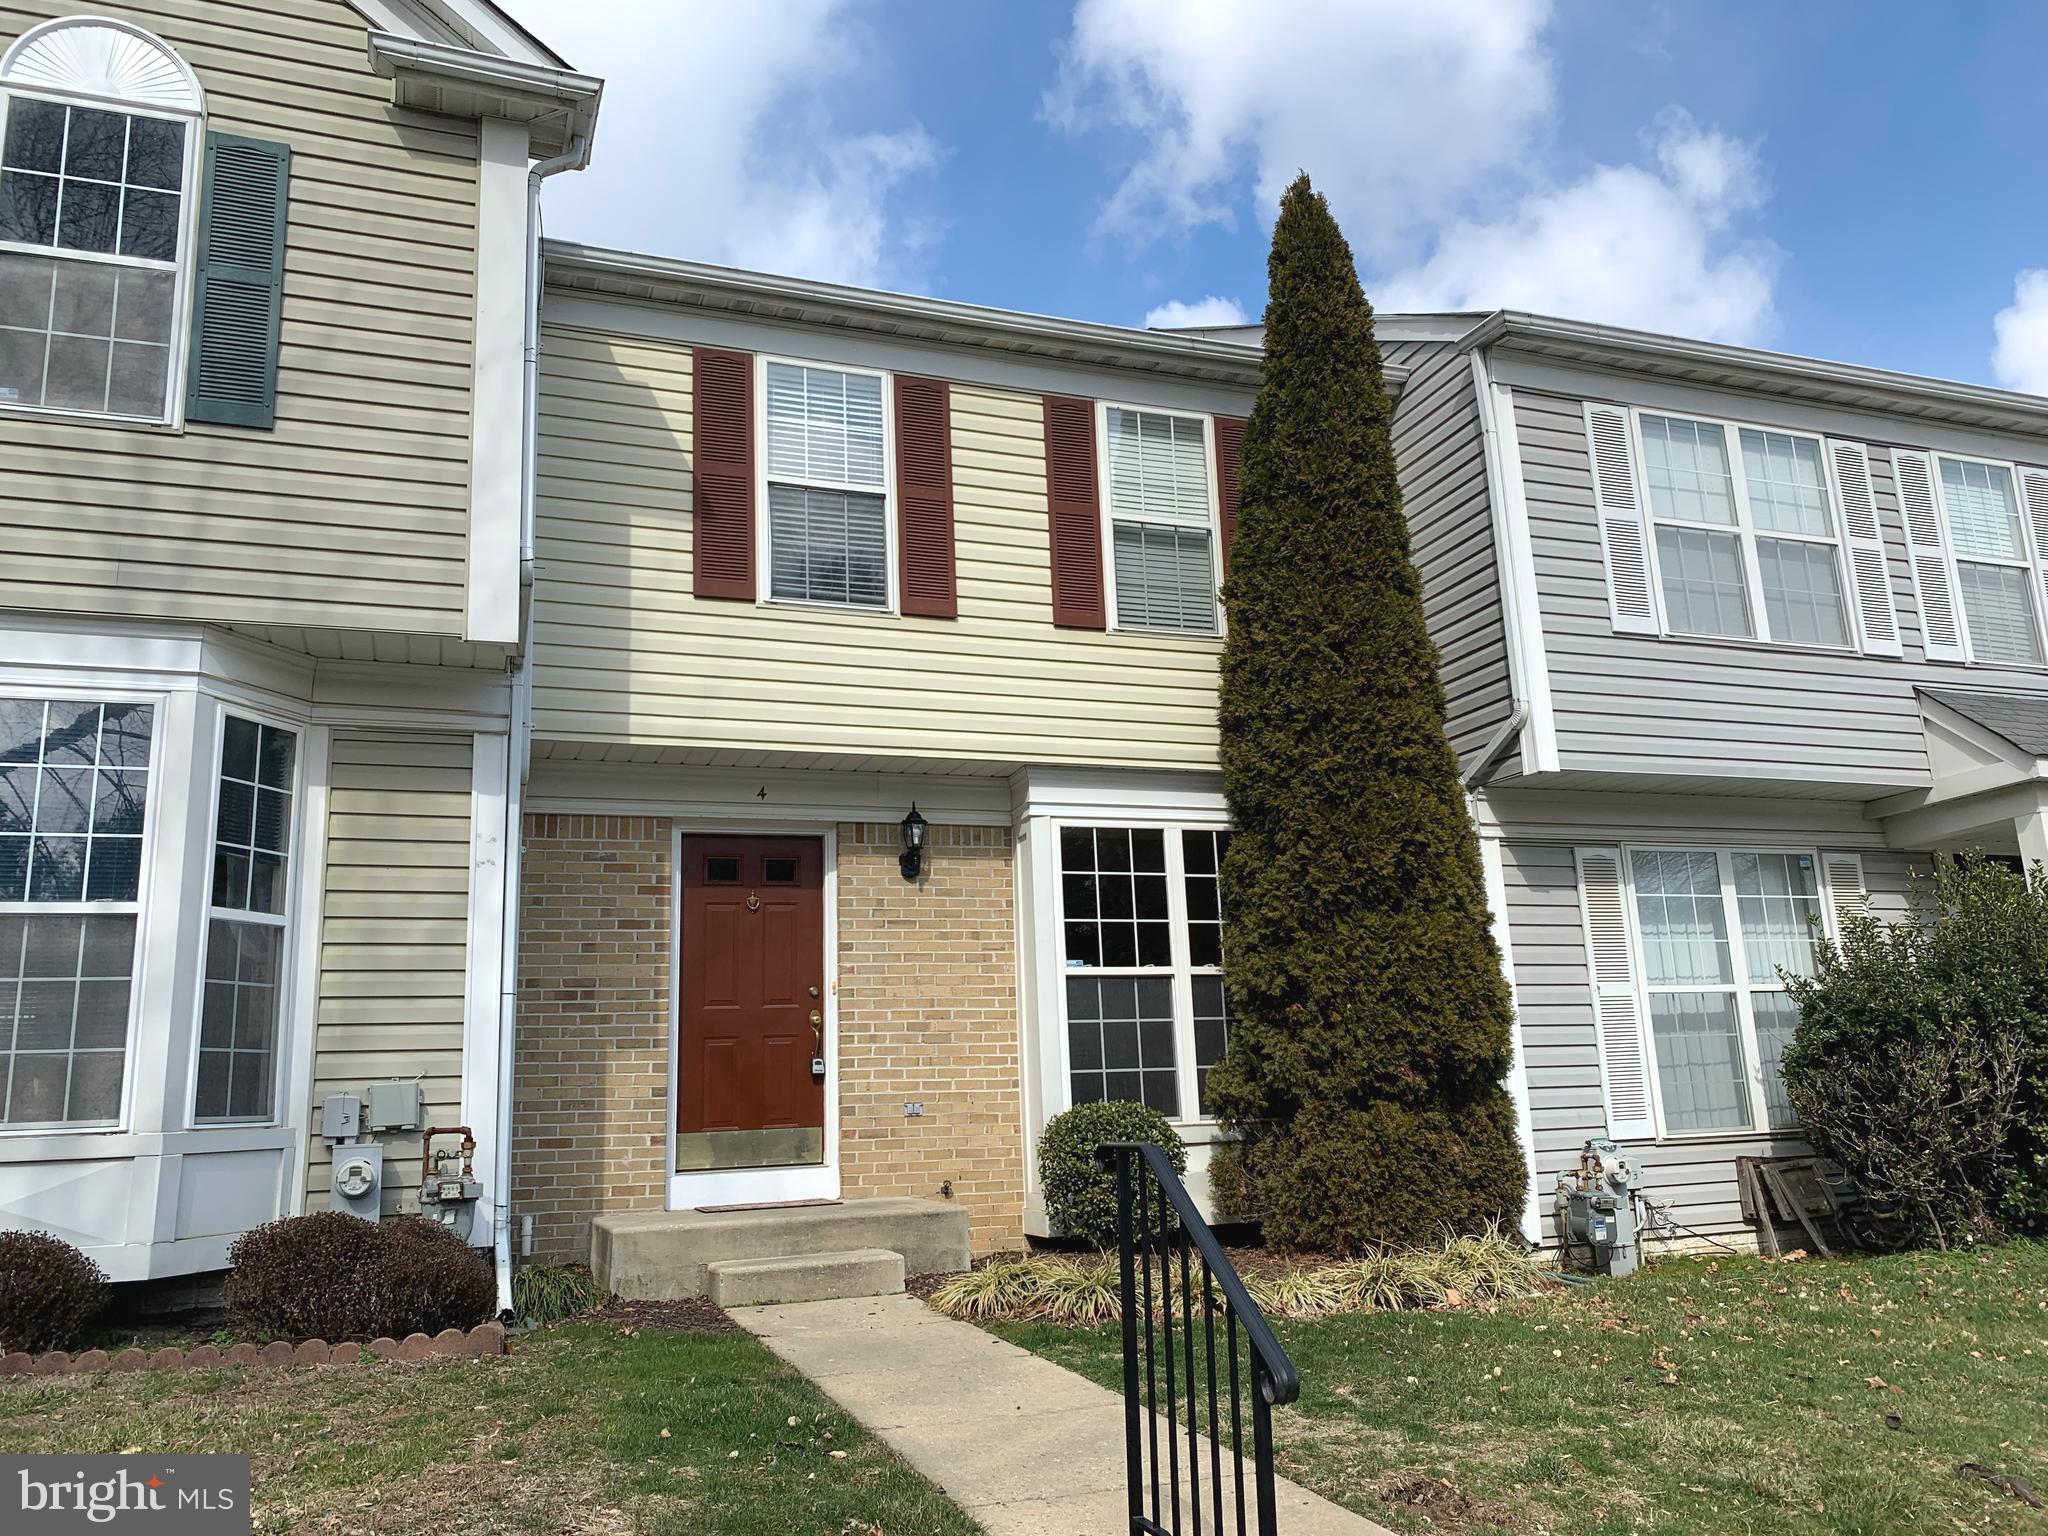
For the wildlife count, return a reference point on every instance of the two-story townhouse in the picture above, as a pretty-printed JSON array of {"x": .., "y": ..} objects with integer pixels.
[
  {"x": 820, "y": 570},
  {"x": 266, "y": 268},
  {"x": 1733, "y": 643},
  {"x": 1736, "y": 644}
]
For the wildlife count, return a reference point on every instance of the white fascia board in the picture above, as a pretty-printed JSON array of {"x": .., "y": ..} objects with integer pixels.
[
  {"x": 498, "y": 385},
  {"x": 1580, "y": 816},
  {"x": 560, "y": 104},
  {"x": 769, "y": 796},
  {"x": 1114, "y": 794}
]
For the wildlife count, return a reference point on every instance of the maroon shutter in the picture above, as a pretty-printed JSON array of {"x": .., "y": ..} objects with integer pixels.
[
  {"x": 924, "y": 498},
  {"x": 1229, "y": 448},
  {"x": 1072, "y": 501},
  {"x": 722, "y": 480}
]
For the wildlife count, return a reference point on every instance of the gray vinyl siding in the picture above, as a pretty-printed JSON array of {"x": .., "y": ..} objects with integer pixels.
[
  {"x": 1561, "y": 1054},
  {"x": 1442, "y": 457},
  {"x": 1683, "y": 706}
]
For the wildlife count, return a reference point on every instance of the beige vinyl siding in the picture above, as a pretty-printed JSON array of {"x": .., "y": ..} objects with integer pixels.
[
  {"x": 1561, "y": 1054},
  {"x": 1442, "y": 457},
  {"x": 1766, "y": 713},
  {"x": 625, "y": 654},
  {"x": 353, "y": 512},
  {"x": 393, "y": 936}
]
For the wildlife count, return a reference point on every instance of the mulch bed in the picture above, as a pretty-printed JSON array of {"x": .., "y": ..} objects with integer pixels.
[{"x": 691, "y": 1315}]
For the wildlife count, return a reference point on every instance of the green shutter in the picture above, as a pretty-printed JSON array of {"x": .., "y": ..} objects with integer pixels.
[{"x": 238, "y": 301}]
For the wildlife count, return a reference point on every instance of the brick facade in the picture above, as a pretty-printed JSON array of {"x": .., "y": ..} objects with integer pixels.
[
  {"x": 590, "y": 1096},
  {"x": 928, "y": 1014}
]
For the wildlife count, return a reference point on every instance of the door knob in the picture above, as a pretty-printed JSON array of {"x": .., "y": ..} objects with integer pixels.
[{"x": 817, "y": 1021}]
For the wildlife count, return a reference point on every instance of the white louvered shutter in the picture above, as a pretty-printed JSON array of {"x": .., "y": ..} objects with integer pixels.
[
  {"x": 2034, "y": 498},
  {"x": 1941, "y": 620},
  {"x": 1843, "y": 874},
  {"x": 1624, "y": 538},
  {"x": 1617, "y": 1000},
  {"x": 1870, "y": 572}
]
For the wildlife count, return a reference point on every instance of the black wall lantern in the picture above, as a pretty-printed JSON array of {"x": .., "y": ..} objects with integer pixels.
[{"x": 911, "y": 860}]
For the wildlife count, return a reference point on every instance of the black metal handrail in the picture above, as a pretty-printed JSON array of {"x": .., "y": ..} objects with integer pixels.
[{"x": 1157, "y": 1222}]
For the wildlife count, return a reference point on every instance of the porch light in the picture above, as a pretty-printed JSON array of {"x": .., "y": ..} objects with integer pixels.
[{"x": 911, "y": 860}]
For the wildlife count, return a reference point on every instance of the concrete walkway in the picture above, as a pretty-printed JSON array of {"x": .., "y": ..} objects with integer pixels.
[{"x": 1026, "y": 1447}]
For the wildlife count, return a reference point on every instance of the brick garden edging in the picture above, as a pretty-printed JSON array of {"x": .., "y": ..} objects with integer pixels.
[{"x": 450, "y": 1343}]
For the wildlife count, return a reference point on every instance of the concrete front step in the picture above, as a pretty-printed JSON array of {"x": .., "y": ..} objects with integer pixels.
[
  {"x": 666, "y": 1255},
  {"x": 806, "y": 1277}
]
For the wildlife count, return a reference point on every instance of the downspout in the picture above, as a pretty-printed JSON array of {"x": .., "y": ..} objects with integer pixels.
[
  {"x": 1480, "y": 770},
  {"x": 519, "y": 751}
]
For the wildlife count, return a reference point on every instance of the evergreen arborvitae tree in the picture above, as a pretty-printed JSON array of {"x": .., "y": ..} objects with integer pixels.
[{"x": 1371, "y": 1036}]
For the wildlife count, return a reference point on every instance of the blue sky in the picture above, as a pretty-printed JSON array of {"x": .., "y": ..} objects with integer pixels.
[{"x": 1855, "y": 181}]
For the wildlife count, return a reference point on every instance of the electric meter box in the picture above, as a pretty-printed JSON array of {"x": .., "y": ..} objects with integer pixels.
[
  {"x": 396, "y": 1106},
  {"x": 358, "y": 1180}
]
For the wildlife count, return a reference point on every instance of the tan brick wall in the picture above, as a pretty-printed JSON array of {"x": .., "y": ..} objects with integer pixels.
[
  {"x": 928, "y": 1014},
  {"x": 590, "y": 1099}
]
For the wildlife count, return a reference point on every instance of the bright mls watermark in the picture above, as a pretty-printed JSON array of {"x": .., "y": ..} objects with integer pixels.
[{"x": 162, "y": 1495}]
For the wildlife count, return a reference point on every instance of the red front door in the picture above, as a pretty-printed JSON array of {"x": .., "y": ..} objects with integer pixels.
[{"x": 750, "y": 1085}]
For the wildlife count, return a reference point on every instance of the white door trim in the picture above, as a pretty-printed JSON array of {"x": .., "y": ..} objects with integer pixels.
[{"x": 753, "y": 1186}]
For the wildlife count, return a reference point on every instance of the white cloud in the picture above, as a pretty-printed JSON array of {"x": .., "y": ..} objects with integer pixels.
[
  {"x": 1179, "y": 314},
  {"x": 1429, "y": 127},
  {"x": 2019, "y": 360},
  {"x": 722, "y": 139},
  {"x": 1397, "y": 108},
  {"x": 1656, "y": 246}
]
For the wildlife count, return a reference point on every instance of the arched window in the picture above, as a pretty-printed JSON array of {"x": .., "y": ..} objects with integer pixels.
[{"x": 99, "y": 143}]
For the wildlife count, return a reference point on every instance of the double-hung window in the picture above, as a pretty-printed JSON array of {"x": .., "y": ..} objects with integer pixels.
[
  {"x": 1746, "y": 538},
  {"x": 1162, "y": 521},
  {"x": 1719, "y": 929},
  {"x": 246, "y": 925},
  {"x": 827, "y": 512},
  {"x": 1994, "y": 569},
  {"x": 1142, "y": 944},
  {"x": 96, "y": 216},
  {"x": 74, "y": 797}
]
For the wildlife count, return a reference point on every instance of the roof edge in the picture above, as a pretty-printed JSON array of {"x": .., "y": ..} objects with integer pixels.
[
  {"x": 1850, "y": 384},
  {"x": 627, "y": 274}
]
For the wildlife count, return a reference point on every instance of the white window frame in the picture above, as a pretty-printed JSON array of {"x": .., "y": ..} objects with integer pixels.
[
  {"x": 1180, "y": 973},
  {"x": 1746, "y": 533},
  {"x": 288, "y": 952},
  {"x": 1759, "y": 1126},
  {"x": 1109, "y": 517},
  {"x": 2030, "y": 560},
  {"x": 141, "y": 908},
  {"x": 186, "y": 263},
  {"x": 891, "y": 605}
]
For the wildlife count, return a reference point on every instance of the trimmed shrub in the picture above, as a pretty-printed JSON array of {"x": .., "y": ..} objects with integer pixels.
[
  {"x": 334, "y": 1276},
  {"x": 1370, "y": 1035},
  {"x": 1080, "y": 1197},
  {"x": 48, "y": 1292},
  {"x": 1920, "y": 1062}
]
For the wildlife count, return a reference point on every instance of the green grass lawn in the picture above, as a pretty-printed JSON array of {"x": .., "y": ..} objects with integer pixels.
[
  {"x": 585, "y": 1428},
  {"x": 1728, "y": 1396}
]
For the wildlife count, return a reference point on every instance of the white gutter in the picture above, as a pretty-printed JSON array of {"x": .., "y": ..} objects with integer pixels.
[{"x": 520, "y": 753}]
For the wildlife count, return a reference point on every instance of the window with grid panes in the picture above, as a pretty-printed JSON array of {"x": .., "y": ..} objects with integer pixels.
[
  {"x": 246, "y": 928},
  {"x": 74, "y": 796},
  {"x": 1743, "y": 522},
  {"x": 94, "y": 205},
  {"x": 1146, "y": 1012}
]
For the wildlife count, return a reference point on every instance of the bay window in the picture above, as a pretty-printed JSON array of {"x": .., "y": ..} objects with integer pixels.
[
  {"x": 74, "y": 797},
  {"x": 1162, "y": 521},
  {"x": 1719, "y": 930},
  {"x": 246, "y": 923},
  {"x": 1745, "y": 536},
  {"x": 1143, "y": 1003}
]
